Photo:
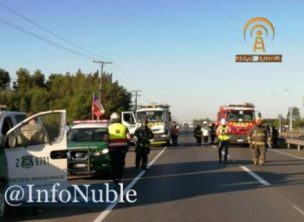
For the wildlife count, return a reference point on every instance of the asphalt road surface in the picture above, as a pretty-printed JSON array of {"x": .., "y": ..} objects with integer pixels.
[{"x": 187, "y": 183}]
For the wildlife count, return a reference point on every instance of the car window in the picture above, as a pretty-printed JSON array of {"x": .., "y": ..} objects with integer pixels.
[
  {"x": 20, "y": 117},
  {"x": 38, "y": 130}
]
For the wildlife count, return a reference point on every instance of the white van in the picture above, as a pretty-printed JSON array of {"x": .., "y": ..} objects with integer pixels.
[{"x": 33, "y": 155}]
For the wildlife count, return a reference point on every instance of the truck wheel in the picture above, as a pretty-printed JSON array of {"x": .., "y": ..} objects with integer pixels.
[{"x": 3, "y": 206}]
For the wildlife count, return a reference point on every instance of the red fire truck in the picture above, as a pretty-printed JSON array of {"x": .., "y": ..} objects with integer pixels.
[{"x": 240, "y": 119}]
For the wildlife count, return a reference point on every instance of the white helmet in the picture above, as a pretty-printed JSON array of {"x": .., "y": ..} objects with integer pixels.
[
  {"x": 114, "y": 117},
  {"x": 205, "y": 122},
  {"x": 223, "y": 121}
]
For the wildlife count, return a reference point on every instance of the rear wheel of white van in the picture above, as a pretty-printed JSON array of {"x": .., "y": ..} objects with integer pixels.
[{"x": 3, "y": 206}]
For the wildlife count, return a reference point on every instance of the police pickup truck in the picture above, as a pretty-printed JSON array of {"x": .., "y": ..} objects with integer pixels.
[{"x": 88, "y": 151}]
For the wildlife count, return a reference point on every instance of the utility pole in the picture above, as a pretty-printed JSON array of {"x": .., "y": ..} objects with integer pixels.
[
  {"x": 136, "y": 95},
  {"x": 290, "y": 118},
  {"x": 101, "y": 63}
]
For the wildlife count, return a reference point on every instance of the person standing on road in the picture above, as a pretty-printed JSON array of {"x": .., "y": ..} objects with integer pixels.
[
  {"x": 212, "y": 133},
  {"x": 174, "y": 133},
  {"x": 198, "y": 134},
  {"x": 205, "y": 132},
  {"x": 223, "y": 135},
  {"x": 118, "y": 145},
  {"x": 143, "y": 135},
  {"x": 259, "y": 138}
]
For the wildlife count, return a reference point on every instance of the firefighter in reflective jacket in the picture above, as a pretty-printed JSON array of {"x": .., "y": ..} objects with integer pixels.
[
  {"x": 118, "y": 146},
  {"x": 198, "y": 134},
  {"x": 259, "y": 138},
  {"x": 143, "y": 135},
  {"x": 223, "y": 135}
]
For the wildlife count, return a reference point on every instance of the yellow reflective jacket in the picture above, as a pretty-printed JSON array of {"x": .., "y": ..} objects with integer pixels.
[{"x": 223, "y": 133}]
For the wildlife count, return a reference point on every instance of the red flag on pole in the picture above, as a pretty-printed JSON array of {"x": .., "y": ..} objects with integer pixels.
[{"x": 97, "y": 108}]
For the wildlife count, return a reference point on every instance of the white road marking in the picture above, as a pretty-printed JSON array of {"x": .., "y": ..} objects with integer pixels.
[
  {"x": 246, "y": 169},
  {"x": 255, "y": 176},
  {"x": 287, "y": 154},
  {"x": 108, "y": 210},
  {"x": 298, "y": 209}
]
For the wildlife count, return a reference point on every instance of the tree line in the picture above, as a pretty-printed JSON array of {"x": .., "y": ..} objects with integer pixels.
[{"x": 32, "y": 92}]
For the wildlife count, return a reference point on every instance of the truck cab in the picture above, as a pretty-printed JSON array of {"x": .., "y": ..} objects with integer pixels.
[
  {"x": 240, "y": 118},
  {"x": 159, "y": 118}
]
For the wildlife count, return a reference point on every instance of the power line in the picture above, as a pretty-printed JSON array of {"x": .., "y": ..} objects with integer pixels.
[
  {"x": 56, "y": 35},
  {"x": 44, "y": 39},
  {"x": 49, "y": 31}
]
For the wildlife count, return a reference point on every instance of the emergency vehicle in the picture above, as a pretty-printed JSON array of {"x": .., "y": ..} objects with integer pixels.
[
  {"x": 240, "y": 118},
  {"x": 87, "y": 148},
  {"x": 159, "y": 118},
  {"x": 26, "y": 158}
]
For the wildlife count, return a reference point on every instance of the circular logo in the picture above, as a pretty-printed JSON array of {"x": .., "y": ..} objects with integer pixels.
[{"x": 27, "y": 161}]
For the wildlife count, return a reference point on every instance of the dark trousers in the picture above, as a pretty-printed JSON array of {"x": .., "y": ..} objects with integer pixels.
[
  {"x": 141, "y": 156},
  {"x": 205, "y": 139},
  {"x": 212, "y": 137},
  {"x": 117, "y": 162},
  {"x": 174, "y": 140},
  {"x": 198, "y": 140},
  {"x": 223, "y": 145}
]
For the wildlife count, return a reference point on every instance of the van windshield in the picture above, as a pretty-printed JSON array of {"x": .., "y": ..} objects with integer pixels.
[
  {"x": 240, "y": 115},
  {"x": 151, "y": 116}
]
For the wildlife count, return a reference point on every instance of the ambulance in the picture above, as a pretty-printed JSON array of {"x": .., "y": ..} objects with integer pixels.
[{"x": 33, "y": 152}]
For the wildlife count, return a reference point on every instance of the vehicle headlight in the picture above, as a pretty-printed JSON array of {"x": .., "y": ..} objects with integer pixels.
[
  {"x": 105, "y": 151},
  {"x": 97, "y": 154}
]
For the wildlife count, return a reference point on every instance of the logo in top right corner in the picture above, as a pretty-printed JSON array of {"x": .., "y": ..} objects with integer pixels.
[{"x": 258, "y": 29}]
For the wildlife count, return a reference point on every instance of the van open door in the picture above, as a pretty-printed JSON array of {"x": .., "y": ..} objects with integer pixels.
[
  {"x": 35, "y": 151},
  {"x": 128, "y": 119}
]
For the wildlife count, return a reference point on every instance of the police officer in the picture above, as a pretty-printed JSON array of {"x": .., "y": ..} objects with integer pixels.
[
  {"x": 143, "y": 135},
  {"x": 118, "y": 146},
  {"x": 259, "y": 138},
  {"x": 223, "y": 134}
]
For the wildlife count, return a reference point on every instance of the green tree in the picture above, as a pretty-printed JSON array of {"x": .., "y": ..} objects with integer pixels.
[
  {"x": 24, "y": 81},
  {"x": 4, "y": 79},
  {"x": 38, "y": 79},
  {"x": 72, "y": 92},
  {"x": 296, "y": 115}
]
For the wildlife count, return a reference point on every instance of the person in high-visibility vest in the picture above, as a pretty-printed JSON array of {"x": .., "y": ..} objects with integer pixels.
[
  {"x": 118, "y": 146},
  {"x": 259, "y": 138},
  {"x": 223, "y": 135}
]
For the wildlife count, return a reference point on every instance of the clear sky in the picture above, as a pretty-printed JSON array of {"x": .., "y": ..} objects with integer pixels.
[{"x": 179, "y": 52}]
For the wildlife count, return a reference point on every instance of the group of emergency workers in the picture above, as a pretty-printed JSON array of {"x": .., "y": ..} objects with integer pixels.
[
  {"x": 119, "y": 138},
  {"x": 259, "y": 139}
]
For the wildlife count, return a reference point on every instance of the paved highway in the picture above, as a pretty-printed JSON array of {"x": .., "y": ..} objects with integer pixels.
[{"x": 186, "y": 183}]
